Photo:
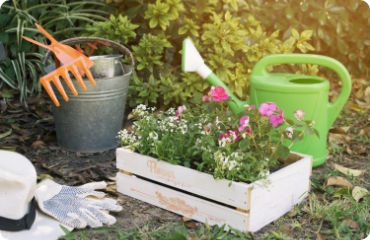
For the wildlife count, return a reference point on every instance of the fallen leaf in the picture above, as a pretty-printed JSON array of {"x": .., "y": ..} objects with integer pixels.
[
  {"x": 356, "y": 108},
  {"x": 342, "y": 192},
  {"x": 360, "y": 149},
  {"x": 287, "y": 230},
  {"x": 359, "y": 192},
  {"x": 351, "y": 224},
  {"x": 135, "y": 212},
  {"x": 44, "y": 176},
  {"x": 320, "y": 236},
  {"x": 349, "y": 171},
  {"x": 191, "y": 225},
  {"x": 367, "y": 91},
  {"x": 186, "y": 219},
  {"x": 337, "y": 130},
  {"x": 338, "y": 181},
  {"x": 7, "y": 133},
  {"x": 38, "y": 144}
]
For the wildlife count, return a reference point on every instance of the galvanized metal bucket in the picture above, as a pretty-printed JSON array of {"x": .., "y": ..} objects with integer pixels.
[{"x": 89, "y": 122}]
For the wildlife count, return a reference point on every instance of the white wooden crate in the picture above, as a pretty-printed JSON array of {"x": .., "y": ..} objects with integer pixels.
[{"x": 197, "y": 195}]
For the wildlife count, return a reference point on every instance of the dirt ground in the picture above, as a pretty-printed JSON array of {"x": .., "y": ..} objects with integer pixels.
[{"x": 32, "y": 133}]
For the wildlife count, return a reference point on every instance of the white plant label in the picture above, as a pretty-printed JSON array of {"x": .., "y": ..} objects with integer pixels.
[{"x": 1, "y": 3}]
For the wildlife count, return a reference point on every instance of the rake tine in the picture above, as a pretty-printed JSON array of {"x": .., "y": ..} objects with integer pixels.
[
  {"x": 46, "y": 84},
  {"x": 59, "y": 86},
  {"x": 88, "y": 74},
  {"x": 74, "y": 69},
  {"x": 69, "y": 82}
]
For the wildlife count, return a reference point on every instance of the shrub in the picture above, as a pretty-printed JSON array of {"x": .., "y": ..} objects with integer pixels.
[
  {"x": 341, "y": 28},
  {"x": 226, "y": 33}
]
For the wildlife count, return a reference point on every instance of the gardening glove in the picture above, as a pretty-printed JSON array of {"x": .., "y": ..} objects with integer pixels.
[{"x": 77, "y": 207}]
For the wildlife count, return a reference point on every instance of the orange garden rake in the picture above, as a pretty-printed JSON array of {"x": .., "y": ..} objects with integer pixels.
[{"x": 73, "y": 61}]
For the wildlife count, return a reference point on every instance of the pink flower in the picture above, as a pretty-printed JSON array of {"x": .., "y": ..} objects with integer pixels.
[
  {"x": 206, "y": 98},
  {"x": 180, "y": 109},
  {"x": 230, "y": 134},
  {"x": 267, "y": 108},
  {"x": 244, "y": 121},
  {"x": 275, "y": 120},
  {"x": 219, "y": 94}
]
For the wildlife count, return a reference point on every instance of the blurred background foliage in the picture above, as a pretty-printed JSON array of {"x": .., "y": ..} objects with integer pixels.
[{"x": 231, "y": 36}]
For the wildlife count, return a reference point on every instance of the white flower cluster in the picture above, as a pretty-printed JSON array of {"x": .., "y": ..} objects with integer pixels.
[
  {"x": 264, "y": 173},
  {"x": 141, "y": 110},
  {"x": 227, "y": 162},
  {"x": 126, "y": 137}
]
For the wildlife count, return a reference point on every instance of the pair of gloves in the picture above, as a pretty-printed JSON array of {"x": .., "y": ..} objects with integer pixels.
[{"x": 77, "y": 207}]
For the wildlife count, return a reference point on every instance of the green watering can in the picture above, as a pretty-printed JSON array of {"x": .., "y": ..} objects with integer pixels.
[{"x": 289, "y": 91}]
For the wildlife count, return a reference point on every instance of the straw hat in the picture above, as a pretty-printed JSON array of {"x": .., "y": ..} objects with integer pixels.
[{"x": 19, "y": 216}]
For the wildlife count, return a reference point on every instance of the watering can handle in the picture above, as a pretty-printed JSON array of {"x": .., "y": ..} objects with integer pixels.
[{"x": 333, "y": 108}]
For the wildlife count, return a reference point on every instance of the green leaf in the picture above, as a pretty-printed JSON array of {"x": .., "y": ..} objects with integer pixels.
[
  {"x": 182, "y": 30},
  {"x": 243, "y": 144},
  {"x": 283, "y": 152},
  {"x": 211, "y": 107},
  {"x": 316, "y": 133},
  {"x": 289, "y": 121},
  {"x": 210, "y": 140},
  {"x": 289, "y": 13},
  {"x": 4, "y": 37},
  {"x": 153, "y": 22},
  {"x": 295, "y": 34},
  {"x": 306, "y": 34},
  {"x": 309, "y": 130}
]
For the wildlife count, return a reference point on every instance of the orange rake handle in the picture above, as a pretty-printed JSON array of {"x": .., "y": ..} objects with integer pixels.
[{"x": 64, "y": 53}]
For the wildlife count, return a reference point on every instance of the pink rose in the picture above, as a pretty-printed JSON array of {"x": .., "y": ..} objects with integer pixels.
[
  {"x": 275, "y": 120},
  {"x": 244, "y": 121},
  {"x": 219, "y": 94},
  {"x": 180, "y": 109},
  {"x": 267, "y": 108}
]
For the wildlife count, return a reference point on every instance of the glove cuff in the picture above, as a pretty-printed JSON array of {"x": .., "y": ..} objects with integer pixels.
[{"x": 46, "y": 190}]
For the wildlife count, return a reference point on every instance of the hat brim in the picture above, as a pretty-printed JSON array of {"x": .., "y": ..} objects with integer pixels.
[{"x": 43, "y": 228}]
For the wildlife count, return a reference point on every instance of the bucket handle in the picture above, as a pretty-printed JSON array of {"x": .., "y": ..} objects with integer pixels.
[
  {"x": 333, "y": 108},
  {"x": 79, "y": 40}
]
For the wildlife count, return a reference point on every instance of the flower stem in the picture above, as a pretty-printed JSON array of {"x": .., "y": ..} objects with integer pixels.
[
  {"x": 274, "y": 151},
  {"x": 298, "y": 137}
]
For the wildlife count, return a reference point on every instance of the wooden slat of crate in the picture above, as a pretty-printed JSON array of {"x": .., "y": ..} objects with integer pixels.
[
  {"x": 288, "y": 186},
  {"x": 183, "y": 178},
  {"x": 181, "y": 203}
]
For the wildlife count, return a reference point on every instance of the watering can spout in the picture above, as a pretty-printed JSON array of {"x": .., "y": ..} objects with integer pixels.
[{"x": 193, "y": 62}]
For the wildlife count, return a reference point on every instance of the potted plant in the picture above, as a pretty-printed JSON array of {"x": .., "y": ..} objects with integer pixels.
[{"x": 205, "y": 163}]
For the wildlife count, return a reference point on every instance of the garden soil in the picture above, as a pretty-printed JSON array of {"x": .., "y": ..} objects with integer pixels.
[{"x": 32, "y": 133}]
